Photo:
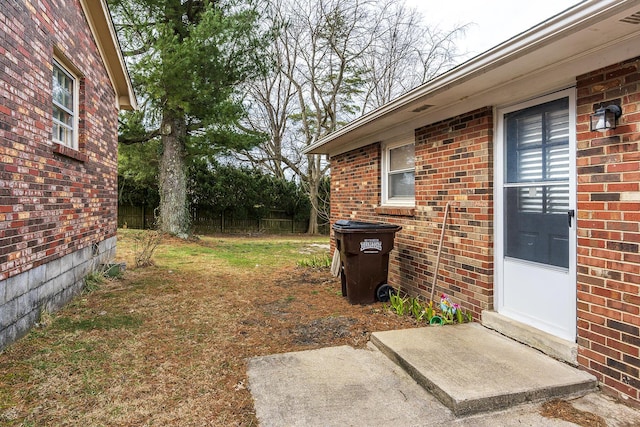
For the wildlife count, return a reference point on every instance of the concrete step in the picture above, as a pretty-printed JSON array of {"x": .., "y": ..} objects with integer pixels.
[{"x": 472, "y": 369}]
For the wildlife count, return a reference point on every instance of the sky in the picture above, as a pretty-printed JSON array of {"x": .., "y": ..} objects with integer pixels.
[{"x": 494, "y": 21}]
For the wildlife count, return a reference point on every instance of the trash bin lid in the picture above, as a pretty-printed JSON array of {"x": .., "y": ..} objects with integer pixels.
[{"x": 351, "y": 225}]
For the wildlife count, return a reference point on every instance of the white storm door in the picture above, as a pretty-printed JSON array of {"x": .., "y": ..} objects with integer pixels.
[{"x": 535, "y": 214}]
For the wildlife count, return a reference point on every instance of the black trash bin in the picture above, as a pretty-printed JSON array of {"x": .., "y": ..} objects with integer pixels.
[{"x": 364, "y": 256}]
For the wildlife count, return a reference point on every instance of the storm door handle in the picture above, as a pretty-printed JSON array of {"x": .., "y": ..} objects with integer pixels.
[{"x": 570, "y": 214}]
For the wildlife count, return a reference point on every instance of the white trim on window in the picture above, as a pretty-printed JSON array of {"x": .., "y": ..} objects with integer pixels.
[
  {"x": 407, "y": 199},
  {"x": 65, "y": 108}
]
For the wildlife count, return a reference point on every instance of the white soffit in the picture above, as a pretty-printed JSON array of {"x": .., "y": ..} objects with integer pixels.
[{"x": 548, "y": 57}]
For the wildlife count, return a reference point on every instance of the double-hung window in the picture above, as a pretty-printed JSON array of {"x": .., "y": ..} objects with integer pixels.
[
  {"x": 398, "y": 173},
  {"x": 65, "y": 106}
]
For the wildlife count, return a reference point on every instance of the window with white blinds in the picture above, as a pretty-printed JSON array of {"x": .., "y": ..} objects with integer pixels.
[{"x": 538, "y": 157}]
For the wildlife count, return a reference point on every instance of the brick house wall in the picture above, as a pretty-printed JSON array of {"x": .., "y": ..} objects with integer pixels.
[
  {"x": 608, "y": 167},
  {"x": 57, "y": 205},
  {"x": 453, "y": 164},
  {"x": 355, "y": 184}
]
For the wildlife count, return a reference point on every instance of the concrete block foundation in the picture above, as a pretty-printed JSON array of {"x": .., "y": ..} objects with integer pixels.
[{"x": 47, "y": 287}]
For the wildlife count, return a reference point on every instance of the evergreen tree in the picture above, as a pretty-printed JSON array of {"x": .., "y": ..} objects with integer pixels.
[{"x": 187, "y": 59}]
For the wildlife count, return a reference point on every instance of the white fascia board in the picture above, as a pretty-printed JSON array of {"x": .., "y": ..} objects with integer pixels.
[{"x": 104, "y": 33}]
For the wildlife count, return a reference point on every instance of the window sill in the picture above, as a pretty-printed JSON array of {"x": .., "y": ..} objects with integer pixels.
[
  {"x": 396, "y": 210},
  {"x": 65, "y": 151}
]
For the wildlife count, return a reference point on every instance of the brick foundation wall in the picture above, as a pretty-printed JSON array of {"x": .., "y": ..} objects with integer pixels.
[
  {"x": 608, "y": 166},
  {"x": 453, "y": 164},
  {"x": 54, "y": 201}
]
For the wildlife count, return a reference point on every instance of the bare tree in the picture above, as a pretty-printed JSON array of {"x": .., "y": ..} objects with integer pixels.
[
  {"x": 336, "y": 59},
  {"x": 272, "y": 102},
  {"x": 406, "y": 54}
]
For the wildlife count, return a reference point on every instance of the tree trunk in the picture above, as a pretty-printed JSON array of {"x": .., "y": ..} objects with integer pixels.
[
  {"x": 174, "y": 216},
  {"x": 313, "y": 213},
  {"x": 314, "y": 183}
]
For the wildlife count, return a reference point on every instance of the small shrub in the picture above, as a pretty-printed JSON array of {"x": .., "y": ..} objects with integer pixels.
[{"x": 145, "y": 245}]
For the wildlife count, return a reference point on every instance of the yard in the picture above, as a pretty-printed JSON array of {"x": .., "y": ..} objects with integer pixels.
[{"x": 167, "y": 345}]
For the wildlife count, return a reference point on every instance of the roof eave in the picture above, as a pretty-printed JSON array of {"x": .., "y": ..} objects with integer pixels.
[
  {"x": 99, "y": 19},
  {"x": 538, "y": 38}
]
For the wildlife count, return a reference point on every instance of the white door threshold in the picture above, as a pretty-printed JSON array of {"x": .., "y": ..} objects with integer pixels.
[{"x": 550, "y": 345}]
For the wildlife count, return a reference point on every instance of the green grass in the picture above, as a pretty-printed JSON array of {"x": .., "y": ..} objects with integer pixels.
[
  {"x": 316, "y": 261},
  {"x": 241, "y": 252},
  {"x": 259, "y": 254},
  {"x": 100, "y": 323}
]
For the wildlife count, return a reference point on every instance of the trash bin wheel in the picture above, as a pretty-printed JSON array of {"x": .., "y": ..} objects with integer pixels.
[{"x": 383, "y": 292}]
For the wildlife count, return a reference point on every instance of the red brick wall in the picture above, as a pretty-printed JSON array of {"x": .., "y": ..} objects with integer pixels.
[
  {"x": 453, "y": 163},
  {"x": 53, "y": 200},
  {"x": 609, "y": 231},
  {"x": 355, "y": 184}
]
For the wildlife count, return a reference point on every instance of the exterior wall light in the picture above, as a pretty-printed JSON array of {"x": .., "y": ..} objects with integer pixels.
[{"x": 605, "y": 118}]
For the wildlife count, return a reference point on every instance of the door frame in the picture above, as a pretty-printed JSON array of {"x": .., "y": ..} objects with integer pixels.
[{"x": 499, "y": 216}]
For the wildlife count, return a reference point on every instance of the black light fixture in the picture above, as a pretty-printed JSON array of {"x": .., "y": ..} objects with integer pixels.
[{"x": 605, "y": 118}]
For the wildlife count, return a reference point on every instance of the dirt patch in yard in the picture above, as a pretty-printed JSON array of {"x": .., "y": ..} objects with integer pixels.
[
  {"x": 323, "y": 330},
  {"x": 167, "y": 345}
]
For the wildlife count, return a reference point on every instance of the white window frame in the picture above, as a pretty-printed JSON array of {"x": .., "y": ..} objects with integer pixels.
[
  {"x": 408, "y": 201},
  {"x": 57, "y": 63}
]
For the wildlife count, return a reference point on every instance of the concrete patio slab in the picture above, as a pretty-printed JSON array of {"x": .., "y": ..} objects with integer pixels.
[{"x": 338, "y": 386}]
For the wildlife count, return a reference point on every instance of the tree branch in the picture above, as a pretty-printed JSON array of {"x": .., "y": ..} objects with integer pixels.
[{"x": 138, "y": 139}]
